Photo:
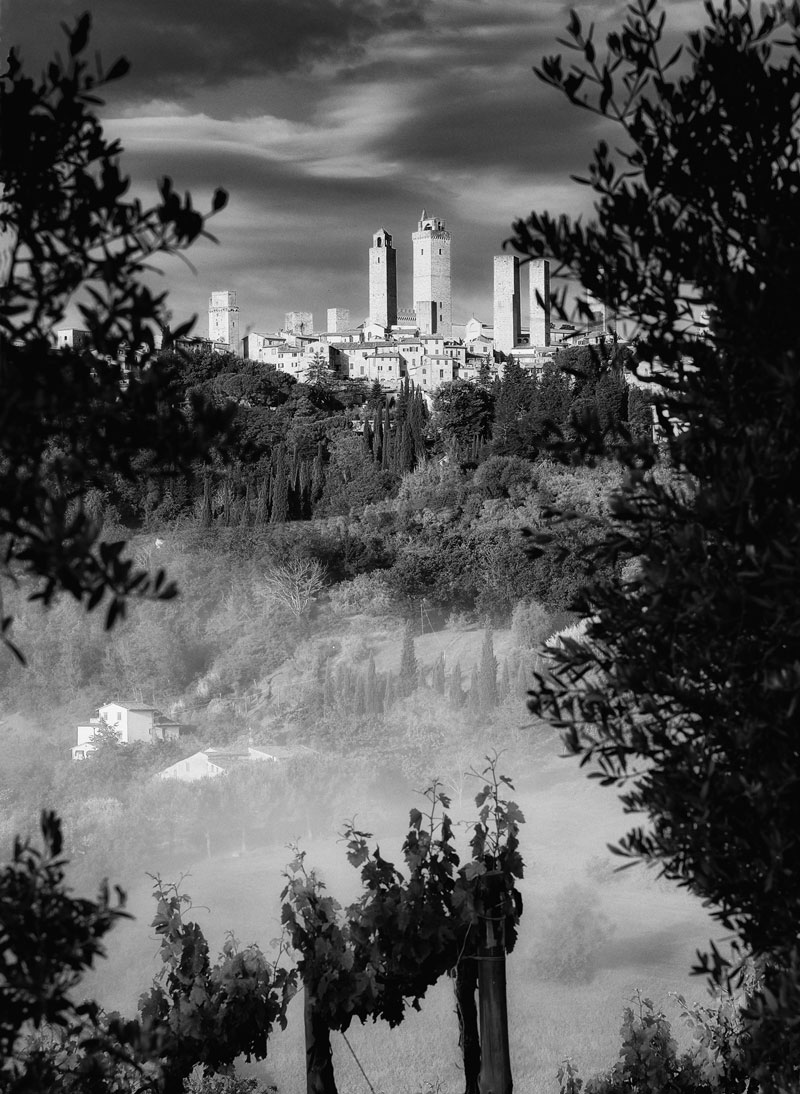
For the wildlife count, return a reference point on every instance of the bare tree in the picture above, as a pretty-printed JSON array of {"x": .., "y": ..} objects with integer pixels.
[{"x": 295, "y": 584}]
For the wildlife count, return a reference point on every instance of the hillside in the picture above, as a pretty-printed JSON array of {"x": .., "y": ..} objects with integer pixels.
[{"x": 642, "y": 934}]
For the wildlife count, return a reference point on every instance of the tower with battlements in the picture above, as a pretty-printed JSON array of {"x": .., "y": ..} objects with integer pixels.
[
  {"x": 432, "y": 285},
  {"x": 223, "y": 319},
  {"x": 382, "y": 280},
  {"x": 506, "y": 303}
]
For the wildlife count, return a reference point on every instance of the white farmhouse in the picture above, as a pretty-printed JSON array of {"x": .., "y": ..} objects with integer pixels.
[
  {"x": 130, "y": 722},
  {"x": 211, "y": 762}
]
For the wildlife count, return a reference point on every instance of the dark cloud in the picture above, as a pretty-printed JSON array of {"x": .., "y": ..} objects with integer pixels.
[
  {"x": 208, "y": 42},
  {"x": 328, "y": 118}
]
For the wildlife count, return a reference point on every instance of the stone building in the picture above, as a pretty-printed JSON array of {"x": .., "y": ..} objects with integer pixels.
[
  {"x": 338, "y": 320},
  {"x": 298, "y": 322},
  {"x": 507, "y": 327},
  {"x": 223, "y": 319},
  {"x": 432, "y": 280},
  {"x": 382, "y": 280},
  {"x": 539, "y": 287}
]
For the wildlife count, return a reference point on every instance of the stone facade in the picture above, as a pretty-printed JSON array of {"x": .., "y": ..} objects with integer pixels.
[
  {"x": 223, "y": 319},
  {"x": 429, "y": 361},
  {"x": 338, "y": 320},
  {"x": 507, "y": 330},
  {"x": 540, "y": 302},
  {"x": 298, "y": 322},
  {"x": 432, "y": 279},
  {"x": 382, "y": 280}
]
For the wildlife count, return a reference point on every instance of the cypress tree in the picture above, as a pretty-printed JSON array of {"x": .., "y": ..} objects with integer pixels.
[
  {"x": 260, "y": 517},
  {"x": 438, "y": 675},
  {"x": 244, "y": 514},
  {"x": 280, "y": 489},
  {"x": 390, "y": 693},
  {"x": 405, "y": 459},
  {"x": 416, "y": 420},
  {"x": 455, "y": 691},
  {"x": 523, "y": 682},
  {"x": 359, "y": 697},
  {"x": 504, "y": 682},
  {"x": 401, "y": 406},
  {"x": 318, "y": 474},
  {"x": 295, "y": 495},
  {"x": 227, "y": 503},
  {"x": 409, "y": 670},
  {"x": 381, "y": 691},
  {"x": 387, "y": 438},
  {"x": 377, "y": 439},
  {"x": 366, "y": 439},
  {"x": 488, "y": 673},
  {"x": 206, "y": 515},
  {"x": 371, "y": 688},
  {"x": 474, "y": 697}
]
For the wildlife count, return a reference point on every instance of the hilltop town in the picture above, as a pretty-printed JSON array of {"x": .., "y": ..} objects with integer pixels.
[{"x": 421, "y": 343}]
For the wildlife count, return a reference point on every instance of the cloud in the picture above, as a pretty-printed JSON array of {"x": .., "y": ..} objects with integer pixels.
[
  {"x": 325, "y": 119},
  {"x": 205, "y": 42}
]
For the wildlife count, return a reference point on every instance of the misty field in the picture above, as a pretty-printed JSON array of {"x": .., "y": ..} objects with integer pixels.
[{"x": 589, "y": 938}]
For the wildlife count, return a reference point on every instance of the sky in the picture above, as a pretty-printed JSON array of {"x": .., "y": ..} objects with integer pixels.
[{"x": 328, "y": 119}]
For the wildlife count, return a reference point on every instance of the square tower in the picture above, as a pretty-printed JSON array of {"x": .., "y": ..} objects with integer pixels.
[
  {"x": 506, "y": 303},
  {"x": 223, "y": 319},
  {"x": 432, "y": 288},
  {"x": 540, "y": 302},
  {"x": 299, "y": 322},
  {"x": 382, "y": 280},
  {"x": 338, "y": 320}
]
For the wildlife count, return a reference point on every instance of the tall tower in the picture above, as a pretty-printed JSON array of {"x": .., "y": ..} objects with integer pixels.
[
  {"x": 506, "y": 303},
  {"x": 338, "y": 320},
  {"x": 432, "y": 291},
  {"x": 223, "y": 319},
  {"x": 382, "y": 280},
  {"x": 540, "y": 302}
]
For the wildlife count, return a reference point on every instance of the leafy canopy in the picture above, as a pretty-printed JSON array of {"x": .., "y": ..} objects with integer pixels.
[
  {"x": 71, "y": 419},
  {"x": 684, "y": 688}
]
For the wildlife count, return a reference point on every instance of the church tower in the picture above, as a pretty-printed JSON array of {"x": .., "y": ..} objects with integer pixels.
[
  {"x": 382, "y": 280},
  {"x": 223, "y": 319},
  {"x": 432, "y": 292}
]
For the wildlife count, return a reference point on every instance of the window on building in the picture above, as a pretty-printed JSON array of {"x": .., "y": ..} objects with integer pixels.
[
  {"x": 440, "y": 250},
  {"x": 441, "y": 373}
]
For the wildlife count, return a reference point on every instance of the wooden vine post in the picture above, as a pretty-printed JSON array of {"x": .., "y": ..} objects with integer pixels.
[
  {"x": 495, "y": 1074},
  {"x": 319, "y": 1059},
  {"x": 466, "y": 985}
]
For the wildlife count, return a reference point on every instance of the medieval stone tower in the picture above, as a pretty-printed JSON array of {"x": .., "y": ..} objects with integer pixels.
[
  {"x": 223, "y": 319},
  {"x": 432, "y": 291},
  {"x": 382, "y": 280},
  {"x": 506, "y": 303},
  {"x": 540, "y": 302}
]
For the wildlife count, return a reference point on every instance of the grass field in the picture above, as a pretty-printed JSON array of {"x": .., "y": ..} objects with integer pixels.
[{"x": 653, "y": 932}]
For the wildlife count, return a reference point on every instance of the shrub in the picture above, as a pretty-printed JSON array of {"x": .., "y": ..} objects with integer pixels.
[
  {"x": 531, "y": 624},
  {"x": 649, "y": 1062},
  {"x": 571, "y": 937},
  {"x": 506, "y": 477},
  {"x": 366, "y": 594}
]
